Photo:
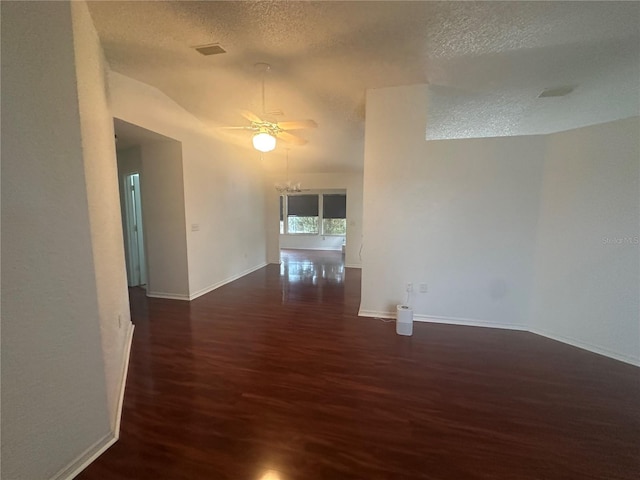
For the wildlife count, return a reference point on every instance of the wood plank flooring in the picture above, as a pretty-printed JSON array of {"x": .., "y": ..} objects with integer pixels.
[{"x": 275, "y": 377}]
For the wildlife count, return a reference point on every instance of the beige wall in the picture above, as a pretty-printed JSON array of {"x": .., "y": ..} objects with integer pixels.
[
  {"x": 587, "y": 257},
  {"x": 537, "y": 233},
  {"x": 55, "y": 399},
  {"x": 457, "y": 215},
  {"x": 101, "y": 177},
  {"x": 163, "y": 219},
  {"x": 159, "y": 164},
  {"x": 224, "y": 200}
]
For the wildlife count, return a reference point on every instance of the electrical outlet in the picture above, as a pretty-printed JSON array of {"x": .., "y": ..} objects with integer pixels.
[
  {"x": 409, "y": 287},
  {"x": 423, "y": 288}
]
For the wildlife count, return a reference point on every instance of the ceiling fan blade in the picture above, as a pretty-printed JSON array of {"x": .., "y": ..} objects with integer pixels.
[
  {"x": 252, "y": 117},
  {"x": 287, "y": 137},
  {"x": 237, "y": 128},
  {"x": 297, "y": 124}
]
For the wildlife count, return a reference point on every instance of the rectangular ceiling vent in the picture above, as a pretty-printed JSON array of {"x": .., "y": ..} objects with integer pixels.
[
  {"x": 211, "y": 49},
  {"x": 557, "y": 91}
]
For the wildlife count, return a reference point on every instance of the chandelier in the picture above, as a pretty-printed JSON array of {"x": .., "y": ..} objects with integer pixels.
[{"x": 288, "y": 187}]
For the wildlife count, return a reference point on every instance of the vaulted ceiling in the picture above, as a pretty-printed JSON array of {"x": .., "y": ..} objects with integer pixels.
[{"x": 486, "y": 63}]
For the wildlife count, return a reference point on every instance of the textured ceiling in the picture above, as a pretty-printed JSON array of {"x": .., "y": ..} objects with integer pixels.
[{"x": 485, "y": 62}]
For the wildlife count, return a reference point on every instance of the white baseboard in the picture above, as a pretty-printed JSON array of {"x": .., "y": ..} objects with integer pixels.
[
  {"x": 210, "y": 288},
  {"x": 98, "y": 448},
  {"x": 473, "y": 322},
  {"x": 588, "y": 346},
  {"x": 168, "y": 296},
  {"x": 470, "y": 322},
  {"x": 123, "y": 380},
  {"x": 353, "y": 265},
  {"x": 85, "y": 459},
  {"x": 199, "y": 293}
]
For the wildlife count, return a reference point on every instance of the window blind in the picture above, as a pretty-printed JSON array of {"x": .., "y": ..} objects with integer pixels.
[
  {"x": 334, "y": 206},
  {"x": 302, "y": 205}
]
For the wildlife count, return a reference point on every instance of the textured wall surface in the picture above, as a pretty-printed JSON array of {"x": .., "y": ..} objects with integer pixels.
[
  {"x": 535, "y": 232},
  {"x": 223, "y": 187},
  {"x": 101, "y": 179},
  {"x": 458, "y": 215},
  {"x": 54, "y": 400},
  {"x": 165, "y": 235},
  {"x": 588, "y": 252}
]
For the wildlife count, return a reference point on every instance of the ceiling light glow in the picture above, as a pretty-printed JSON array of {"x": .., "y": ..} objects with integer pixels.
[{"x": 264, "y": 142}]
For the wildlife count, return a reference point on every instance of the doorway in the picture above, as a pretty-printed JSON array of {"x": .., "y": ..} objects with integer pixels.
[
  {"x": 313, "y": 231},
  {"x": 136, "y": 258}
]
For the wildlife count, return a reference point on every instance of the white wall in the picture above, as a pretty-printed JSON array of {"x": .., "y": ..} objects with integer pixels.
[
  {"x": 163, "y": 220},
  {"x": 101, "y": 177},
  {"x": 55, "y": 403},
  {"x": 129, "y": 161},
  {"x": 457, "y": 215},
  {"x": 350, "y": 182},
  {"x": 223, "y": 187},
  {"x": 587, "y": 258},
  {"x": 537, "y": 233},
  {"x": 312, "y": 242}
]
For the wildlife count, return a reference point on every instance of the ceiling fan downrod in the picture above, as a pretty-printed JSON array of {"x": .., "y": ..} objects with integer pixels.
[{"x": 266, "y": 68}]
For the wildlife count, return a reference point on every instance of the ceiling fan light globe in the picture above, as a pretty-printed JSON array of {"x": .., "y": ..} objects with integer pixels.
[{"x": 264, "y": 142}]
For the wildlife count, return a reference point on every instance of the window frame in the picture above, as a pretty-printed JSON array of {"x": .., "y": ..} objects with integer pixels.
[
  {"x": 286, "y": 215},
  {"x": 334, "y": 234},
  {"x": 322, "y": 219},
  {"x": 319, "y": 194}
]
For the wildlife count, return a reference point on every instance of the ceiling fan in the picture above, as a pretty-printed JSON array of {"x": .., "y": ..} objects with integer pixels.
[{"x": 265, "y": 131}]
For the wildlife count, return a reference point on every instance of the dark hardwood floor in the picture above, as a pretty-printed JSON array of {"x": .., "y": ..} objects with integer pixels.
[{"x": 275, "y": 377}]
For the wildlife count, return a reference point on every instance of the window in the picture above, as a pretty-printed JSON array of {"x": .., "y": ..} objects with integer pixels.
[
  {"x": 334, "y": 214},
  {"x": 314, "y": 214},
  {"x": 302, "y": 214}
]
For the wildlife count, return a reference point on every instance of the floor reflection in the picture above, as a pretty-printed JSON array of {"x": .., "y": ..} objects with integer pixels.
[{"x": 312, "y": 267}]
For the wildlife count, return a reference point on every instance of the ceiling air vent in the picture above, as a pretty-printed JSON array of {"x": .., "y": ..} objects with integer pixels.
[
  {"x": 211, "y": 49},
  {"x": 557, "y": 91}
]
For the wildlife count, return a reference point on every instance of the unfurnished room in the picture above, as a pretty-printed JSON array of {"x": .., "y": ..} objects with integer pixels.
[{"x": 296, "y": 240}]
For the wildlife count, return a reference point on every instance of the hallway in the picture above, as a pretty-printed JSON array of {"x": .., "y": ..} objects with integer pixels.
[{"x": 275, "y": 377}]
